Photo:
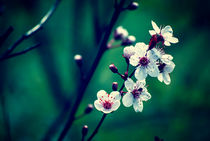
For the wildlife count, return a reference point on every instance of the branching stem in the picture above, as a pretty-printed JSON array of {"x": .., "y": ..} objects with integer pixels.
[
  {"x": 33, "y": 30},
  {"x": 84, "y": 84}
]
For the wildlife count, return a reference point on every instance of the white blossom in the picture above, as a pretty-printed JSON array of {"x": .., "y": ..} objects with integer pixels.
[
  {"x": 166, "y": 33},
  {"x": 107, "y": 103},
  {"x": 137, "y": 93},
  {"x": 166, "y": 67},
  {"x": 145, "y": 62}
]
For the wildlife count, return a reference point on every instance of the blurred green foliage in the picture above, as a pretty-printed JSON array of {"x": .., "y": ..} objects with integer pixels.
[{"x": 35, "y": 86}]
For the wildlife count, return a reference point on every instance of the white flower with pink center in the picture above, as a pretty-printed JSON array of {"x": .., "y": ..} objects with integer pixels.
[
  {"x": 145, "y": 62},
  {"x": 137, "y": 93},
  {"x": 107, "y": 103},
  {"x": 164, "y": 35}
]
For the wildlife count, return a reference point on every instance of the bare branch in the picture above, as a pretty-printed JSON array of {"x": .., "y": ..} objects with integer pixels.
[
  {"x": 20, "y": 53},
  {"x": 6, "y": 35},
  {"x": 33, "y": 30}
]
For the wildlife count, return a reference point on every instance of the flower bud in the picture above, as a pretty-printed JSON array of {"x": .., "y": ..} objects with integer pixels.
[
  {"x": 78, "y": 59},
  {"x": 133, "y": 6},
  {"x": 113, "y": 68},
  {"x": 84, "y": 130},
  {"x": 128, "y": 41},
  {"x": 114, "y": 86},
  {"x": 89, "y": 109},
  {"x": 120, "y": 33}
]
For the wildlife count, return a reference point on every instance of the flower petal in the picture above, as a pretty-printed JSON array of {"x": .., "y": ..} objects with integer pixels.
[
  {"x": 127, "y": 99},
  {"x": 128, "y": 51},
  {"x": 152, "y": 69},
  {"x": 141, "y": 49},
  {"x": 172, "y": 39},
  {"x": 167, "y": 30},
  {"x": 152, "y": 32},
  {"x": 116, "y": 95},
  {"x": 106, "y": 111},
  {"x": 138, "y": 105},
  {"x": 169, "y": 67},
  {"x": 98, "y": 105},
  {"x": 134, "y": 60},
  {"x": 155, "y": 27},
  {"x": 101, "y": 94},
  {"x": 140, "y": 73},
  {"x": 145, "y": 96},
  {"x": 154, "y": 54},
  {"x": 167, "y": 43},
  {"x": 129, "y": 84},
  {"x": 166, "y": 78},
  {"x": 140, "y": 84},
  {"x": 166, "y": 57},
  {"x": 115, "y": 105},
  {"x": 160, "y": 77}
]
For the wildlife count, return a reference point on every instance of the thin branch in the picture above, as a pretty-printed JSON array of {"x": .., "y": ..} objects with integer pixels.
[
  {"x": 6, "y": 35},
  {"x": 33, "y": 30},
  {"x": 96, "y": 22},
  {"x": 115, "y": 3},
  {"x": 97, "y": 128},
  {"x": 20, "y": 53},
  {"x": 102, "y": 49}
]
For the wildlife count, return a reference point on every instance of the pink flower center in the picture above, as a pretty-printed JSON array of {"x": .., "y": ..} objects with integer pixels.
[
  {"x": 155, "y": 39},
  {"x": 143, "y": 61},
  {"x": 161, "y": 67},
  {"x": 136, "y": 93},
  {"x": 107, "y": 105}
]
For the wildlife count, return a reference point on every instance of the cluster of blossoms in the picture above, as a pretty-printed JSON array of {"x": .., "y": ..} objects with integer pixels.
[{"x": 148, "y": 60}]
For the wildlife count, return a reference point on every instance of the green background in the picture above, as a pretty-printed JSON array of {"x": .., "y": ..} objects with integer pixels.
[{"x": 34, "y": 87}]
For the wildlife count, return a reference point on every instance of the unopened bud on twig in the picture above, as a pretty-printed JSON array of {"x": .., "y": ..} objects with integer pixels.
[
  {"x": 84, "y": 130},
  {"x": 113, "y": 68},
  {"x": 133, "y": 6},
  {"x": 78, "y": 59},
  {"x": 89, "y": 109},
  {"x": 114, "y": 86}
]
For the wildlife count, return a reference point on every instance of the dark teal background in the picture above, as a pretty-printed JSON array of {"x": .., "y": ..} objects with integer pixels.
[{"x": 35, "y": 86}]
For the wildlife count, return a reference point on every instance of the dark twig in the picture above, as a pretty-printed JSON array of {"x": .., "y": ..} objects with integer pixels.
[
  {"x": 97, "y": 128},
  {"x": 102, "y": 49},
  {"x": 96, "y": 22},
  {"x": 33, "y": 30},
  {"x": 20, "y": 53},
  {"x": 6, "y": 35}
]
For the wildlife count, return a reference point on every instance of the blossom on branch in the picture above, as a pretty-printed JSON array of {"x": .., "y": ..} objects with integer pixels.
[
  {"x": 137, "y": 93},
  {"x": 164, "y": 35},
  {"x": 144, "y": 61},
  {"x": 107, "y": 103}
]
